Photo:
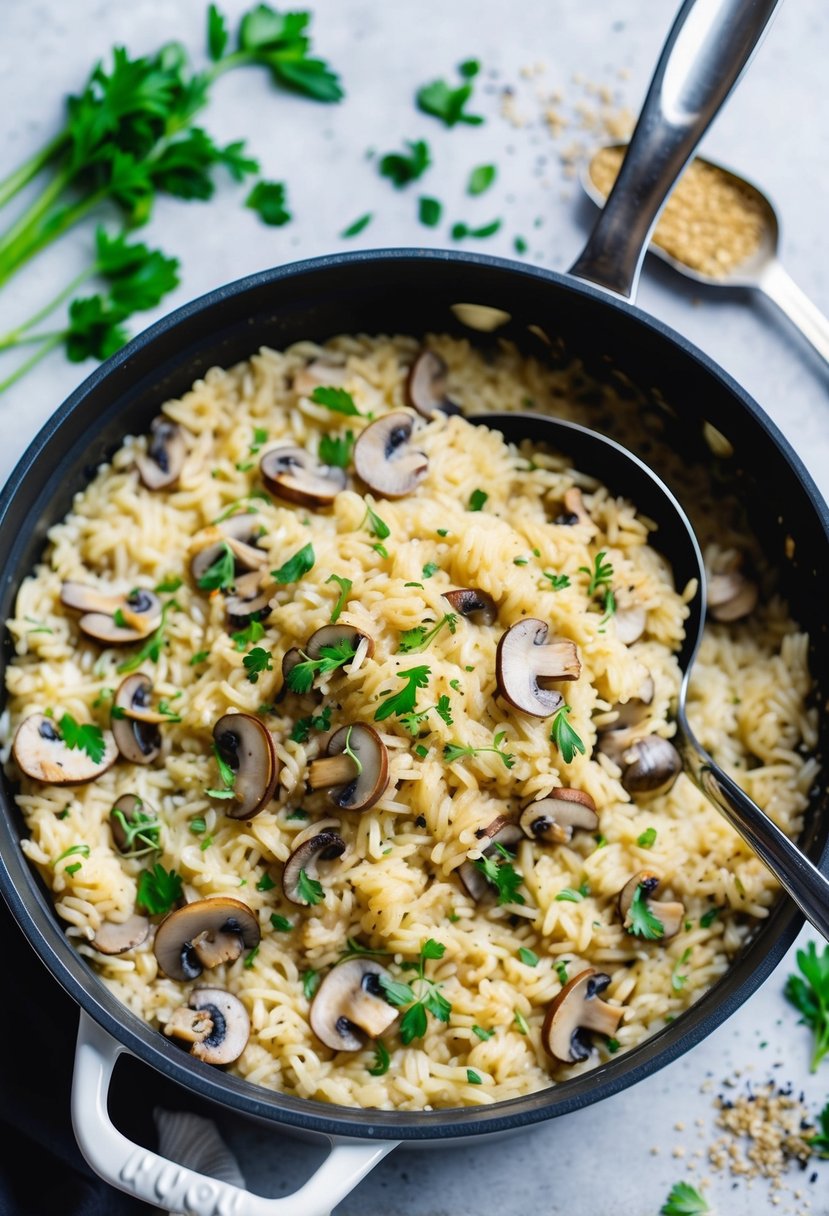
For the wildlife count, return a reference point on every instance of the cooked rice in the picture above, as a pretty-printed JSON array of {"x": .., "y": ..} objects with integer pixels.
[{"x": 397, "y": 884}]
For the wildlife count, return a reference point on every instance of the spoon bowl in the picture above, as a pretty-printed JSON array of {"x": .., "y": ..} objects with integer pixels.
[
  {"x": 760, "y": 270},
  {"x": 674, "y": 537}
]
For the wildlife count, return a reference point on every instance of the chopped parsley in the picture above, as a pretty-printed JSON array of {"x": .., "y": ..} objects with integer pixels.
[
  {"x": 301, "y": 677},
  {"x": 345, "y": 585},
  {"x": 227, "y": 775},
  {"x": 707, "y": 919},
  {"x": 647, "y": 839},
  {"x": 310, "y": 982},
  {"x": 303, "y": 727},
  {"x": 473, "y": 1078},
  {"x": 404, "y": 701},
  {"x": 251, "y": 633},
  {"x": 401, "y": 168},
  {"x": 141, "y": 832},
  {"x": 355, "y": 228},
  {"x": 73, "y": 851},
  {"x": 86, "y": 738},
  {"x": 480, "y": 179},
  {"x": 198, "y": 825},
  {"x": 280, "y": 923},
  {"x": 528, "y": 956},
  {"x": 447, "y": 104},
  {"x": 376, "y": 526},
  {"x": 268, "y": 200},
  {"x": 265, "y": 883},
  {"x": 152, "y": 647},
  {"x": 258, "y": 661},
  {"x": 684, "y": 1200},
  {"x": 564, "y": 737},
  {"x": 158, "y": 889},
  {"x": 310, "y": 890},
  {"x": 382, "y": 1059},
  {"x": 557, "y": 581},
  {"x": 561, "y": 971},
  {"x": 221, "y": 575},
  {"x": 454, "y": 751},
  {"x": 429, "y": 569},
  {"x": 337, "y": 452},
  {"x": 295, "y": 567},
  {"x": 169, "y": 585},
  {"x": 421, "y": 996},
  {"x": 337, "y": 400},
  {"x": 498, "y": 870},
  {"x": 260, "y": 437},
  {"x": 420, "y": 637},
  {"x": 201, "y": 656},
  {"x": 481, "y": 1033},
  {"x": 477, "y": 499},
  {"x": 569, "y": 895},
  {"x": 520, "y": 244},
  {"x": 461, "y": 230},
  {"x": 411, "y": 721},
  {"x": 641, "y": 920},
  {"x": 429, "y": 211},
  {"x": 678, "y": 981},
  {"x": 820, "y": 1142},
  {"x": 809, "y": 992}
]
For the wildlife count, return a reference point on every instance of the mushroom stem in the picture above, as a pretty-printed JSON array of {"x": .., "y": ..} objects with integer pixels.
[
  {"x": 331, "y": 770},
  {"x": 189, "y": 1025}
]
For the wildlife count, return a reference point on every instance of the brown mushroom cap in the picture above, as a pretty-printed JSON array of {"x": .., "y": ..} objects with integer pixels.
[
  {"x": 525, "y": 658},
  {"x": 214, "y": 1022},
  {"x": 473, "y": 603},
  {"x": 295, "y": 475},
  {"x": 501, "y": 830},
  {"x": 114, "y": 937},
  {"x": 553, "y": 819},
  {"x": 161, "y": 465},
  {"x": 652, "y": 765},
  {"x": 250, "y": 601},
  {"x": 349, "y": 1000},
  {"x": 135, "y": 812},
  {"x": 246, "y": 745},
  {"x": 325, "y": 846},
  {"x": 385, "y": 460},
  {"x": 40, "y": 752},
  {"x": 575, "y": 512},
  {"x": 731, "y": 596},
  {"x": 204, "y": 934},
  {"x": 352, "y": 786},
  {"x": 669, "y": 914},
  {"x": 140, "y": 612},
  {"x": 134, "y": 726},
  {"x": 426, "y": 384},
  {"x": 241, "y": 534},
  {"x": 577, "y": 1010}
]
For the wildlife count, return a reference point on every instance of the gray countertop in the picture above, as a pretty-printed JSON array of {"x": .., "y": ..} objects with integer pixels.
[{"x": 619, "y": 1159}]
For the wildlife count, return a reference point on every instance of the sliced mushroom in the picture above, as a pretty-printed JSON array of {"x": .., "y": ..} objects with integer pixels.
[
  {"x": 553, "y": 819},
  {"x": 731, "y": 596},
  {"x": 575, "y": 512},
  {"x": 426, "y": 385},
  {"x": 214, "y": 1022},
  {"x": 577, "y": 1010},
  {"x": 319, "y": 373},
  {"x": 473, "y": 603},
  {"x": 250, "y": 601},
  {"x": 630, "y": 623},
  {"x": 501, "y": 830},
  {"x": 126, "y": 819},
  {"x": 385, "y": 460},
  {"x": 115, "y": 937},
  {"x": 306, "y": 857},
  {"x": 40, "y": 752},
  {"x": 652, "y": 766},
  {"x": 670, "y": 915},
  {"x": 135, "y": 726},
  {"x": 203, "y": 934},
  {"x": 297, "y": 476},
  {"x": 161, "y": 465},
  {"x": 327, "y": 635},
  {"x": 525, "y": 658},
  {"x": 349, "y": 1000},
  {"x": 355, "y": 768},
  {"x": 245, "y": 744},
  {"x": 241, "y": 534},
  {"x": 115, "y": 619}
]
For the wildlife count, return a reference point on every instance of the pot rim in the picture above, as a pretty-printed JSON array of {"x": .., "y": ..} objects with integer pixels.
[{"x": 38, "y": 921}]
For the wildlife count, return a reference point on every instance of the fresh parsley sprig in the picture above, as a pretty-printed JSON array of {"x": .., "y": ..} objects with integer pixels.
[
  {"x": 809, "y": 993},
  {"x": 449, "y": 105},
  {"x": 641, "y": 920},
  {"x": 345, "y": 585},
  {"x": 301, "y": 677},
  {"x": 296, "y": 567},
  {"x": 151, "y": 650},
  {"x": 684, "y": 1200},
  {"x": 411, "y": 721},
  {"x": 227, "y": 775},
  {"x": 220, "y": 575},
  {"x": 403, "y": 702},
  {"x": 599, "y": 581},
  {"x": 256, "y": 662},
  {"x": 401, "y": 167},
  {"x": 158, "y": 889},
  {"x": 455, "y": 751},
  {"x": 564, "y": 736},
  {"x": 421, "y": 996},
  {"x": 303, "y": 726},
  {"x": 141, "y": 832},
  {"x": 418, "y": 638},
  {"x": 86, "y": 737},
  {"x": 500, "y": 873}
]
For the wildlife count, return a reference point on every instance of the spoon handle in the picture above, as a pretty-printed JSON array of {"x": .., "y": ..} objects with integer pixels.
[
  {"x": 797, "y": 875},
  {"x": 778, "y": 285},
  {"x": 710, "y": 44}
]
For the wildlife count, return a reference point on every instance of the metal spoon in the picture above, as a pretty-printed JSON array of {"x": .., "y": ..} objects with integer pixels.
[
  {"x": 761, "y": 270},
  {"x": 625, "y": 474}
]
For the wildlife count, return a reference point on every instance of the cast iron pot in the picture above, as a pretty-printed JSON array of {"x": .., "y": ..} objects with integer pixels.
[{"x": 415, "y": 292}]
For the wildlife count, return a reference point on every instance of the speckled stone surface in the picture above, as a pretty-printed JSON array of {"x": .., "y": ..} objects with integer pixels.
[{"x": 620, "y": 1158}]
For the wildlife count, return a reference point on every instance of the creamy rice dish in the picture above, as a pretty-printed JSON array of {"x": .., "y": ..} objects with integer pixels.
[{"x": 342, "y": 733}]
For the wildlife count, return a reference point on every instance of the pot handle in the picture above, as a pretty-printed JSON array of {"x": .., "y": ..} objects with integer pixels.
[
  {"x": 154, "y": 1179},
  {"x": 707, "y": 50}
]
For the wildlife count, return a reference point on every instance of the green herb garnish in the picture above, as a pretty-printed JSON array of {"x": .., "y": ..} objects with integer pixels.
[
  {"x": 310, "y": 890},
  {"x": 221, "y": 574},
  {"x": 454, "y": 751},
  {"x": 401, "y": 168},
  {"x": 295, "y": 567},
  {"x": 809, "y": 993},
  {"x": 641, "y": 920},
  {"x": 280, "y": 923},
  {"x": 480, "y": 179},
  {"x": 477, "y": 499},
  {"x": 382, "y": 1059},
  {"x": 256, "y": 662},
  {"x": 158, "y": 889},
  {"x": 345, "y": 585},
  {"x": 429, "y": 211},
  {"x": 421, "y": 996},
  {"x": 355, "y": 228},
  {"x": 403, "y": 702},
  {"x": 376, "y": 526},
  {"x": 268, "y": 200},
  {"x": 141, "y": 832},
  {"x": 647, "y": 838},
  {"x": 417, "y": 639},
  {"x": 557, "y": 581},
  {"x": 337, "y": 452},
  {"x": 528, "y": 956},
  {"x": 301, "y": 677},
  {"x": 303, "y": 727},
  {"x": 564, "y": 737},
  {"x": 684, "y": 1200},
  {"x": 448, "y": 104},
  {"x": 411, "y": 721},
  {"x": 678, "y": 981},
  {"x": 461, "y": 230},
  {"x": 310, "y": 982},
  {"x": 87, "y": 737},
  {"x": 251, "y": 633}
]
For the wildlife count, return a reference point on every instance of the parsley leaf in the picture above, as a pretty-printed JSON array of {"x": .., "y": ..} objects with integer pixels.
[
  {"x": 337, "y": 400},
  {"x": 268, "y": 200},
  {"x": 295, "y": 567},
  {"x": 447, "y": 104},
  {"x": 345, "y": 586},
  {"x": 810, "y": 995},
  {"x": 473, "y": 1078},
  {"x": 280, "y": 42},
  {"x": 430, "y": 569},
  {"x": 256, "y": 662},
  {"x": 403, "y": 702},
  {"x": 477, "y": 499},
  {"x": 647, "y": 838},
  {"x": 310, "y": 982},
  {"x": 382, "y": 1059},
  {"x": 481, "y": 1033},
  {"x": 557, "y": 581},
  {"x": 429, "y": 211},
  {"x": 454, "y": 751},
  {"x": 480, "y": 179},
  {"x": 411, "y": 721},
  {"x": 568, "y": 895},
  {"x": 424, "y": 995},
  {"x": 216, "y": 33},
  {"x": 419, "y": 638},
  {"x": 152, "y": 646},
  {"x": 820, "y": 1142},
  {"x": 310, "y": 890},
  {"x": 301, "y": 677},
  {"x": 227, "y": 775},
  {"x": 684, "y": 1200},
  {"x": 158, "y": 889},
  {"x": 461, "y": 230},
  {"x": 401, "y": 168},
  {"x": 140, "y": 832},
  {"x": 252, "y": 632},
  {"x": 528, "y": 956},
  {"x": 707, "y": 919},
  {"x": 499, "y": 872},
  {"x": 87, "y": 738},
  {"x": 564, "y": 737},
  {"x": 303, "y": 727},
  {"x": 221, "y": 574},
  {"x": 337, "y": 452},
  {"x": 358, "y": 225},
  {"x": 376, "y": 526},
  {"x": 641, "y": 920},
  {"x": 280, "y": 923}
]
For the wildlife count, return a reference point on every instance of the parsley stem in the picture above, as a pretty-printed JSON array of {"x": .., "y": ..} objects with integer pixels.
[
  {"x": 28, "y": 364},
  {"x": 16, "y": 181},
  {"x": 35, "y": 213},
  {"x": 15, "y": 337},
  {"x": 22, "y": 250}
]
